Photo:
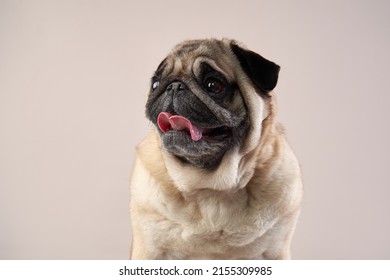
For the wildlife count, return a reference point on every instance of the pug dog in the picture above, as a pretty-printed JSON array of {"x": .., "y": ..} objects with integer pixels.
[{"x": 216, "y": 177}]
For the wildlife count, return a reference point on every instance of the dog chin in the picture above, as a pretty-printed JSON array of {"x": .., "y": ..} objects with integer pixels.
[{"x": 206, "y": 153}]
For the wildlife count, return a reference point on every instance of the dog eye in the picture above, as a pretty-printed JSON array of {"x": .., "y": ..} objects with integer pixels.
[
  {"x": 214, "y": 86},
  {"x": 155, "y": 84}
]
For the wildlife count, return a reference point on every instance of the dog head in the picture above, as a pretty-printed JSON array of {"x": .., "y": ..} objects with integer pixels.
[{"x": 207, "y": 97}]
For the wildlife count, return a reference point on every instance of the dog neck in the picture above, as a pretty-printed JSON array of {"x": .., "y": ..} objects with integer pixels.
[
  {"x": 188, "y": 178},
  {"x": 234, "y": 172}
]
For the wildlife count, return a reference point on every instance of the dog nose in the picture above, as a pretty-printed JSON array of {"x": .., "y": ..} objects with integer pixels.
[{"x": 176, "y": 86}]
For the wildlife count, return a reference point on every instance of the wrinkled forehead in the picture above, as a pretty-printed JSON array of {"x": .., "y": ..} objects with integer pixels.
[{"x": 189, "y": 57}]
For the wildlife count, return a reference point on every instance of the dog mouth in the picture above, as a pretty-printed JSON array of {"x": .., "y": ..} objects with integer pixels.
[{"x": 168, "y": 122}]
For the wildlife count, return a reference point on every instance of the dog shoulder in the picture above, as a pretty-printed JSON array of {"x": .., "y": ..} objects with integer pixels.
[
  {"x": 150, "y": 170},
  {"x": 277, "y": 178}
]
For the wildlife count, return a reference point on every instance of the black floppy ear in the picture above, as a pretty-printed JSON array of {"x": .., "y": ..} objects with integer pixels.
[{"x": 263, "y": 73}]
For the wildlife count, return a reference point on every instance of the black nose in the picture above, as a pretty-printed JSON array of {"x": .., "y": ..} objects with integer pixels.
[{"x": 176, "y": 86}]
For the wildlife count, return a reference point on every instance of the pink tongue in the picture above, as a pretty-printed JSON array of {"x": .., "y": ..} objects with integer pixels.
[{"x": 166, "y": 122}]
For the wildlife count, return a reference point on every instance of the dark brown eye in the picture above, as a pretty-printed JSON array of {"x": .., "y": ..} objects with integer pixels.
[{"x": 214, "y": 86}]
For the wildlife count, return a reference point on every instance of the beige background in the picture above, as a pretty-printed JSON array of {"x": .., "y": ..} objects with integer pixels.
[{"x": 73, "y": 82}]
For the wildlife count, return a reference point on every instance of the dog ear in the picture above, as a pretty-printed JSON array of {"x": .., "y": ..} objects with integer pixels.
[{"x": 263, "y": 73}]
